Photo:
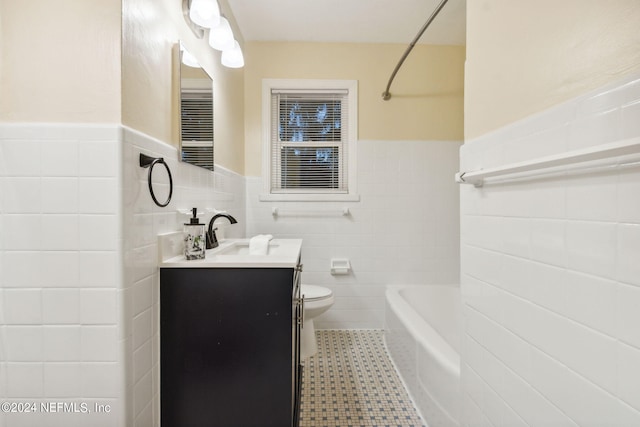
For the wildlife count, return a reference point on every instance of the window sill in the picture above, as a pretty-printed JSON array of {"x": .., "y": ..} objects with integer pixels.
[{"x": 265, "y": 197}]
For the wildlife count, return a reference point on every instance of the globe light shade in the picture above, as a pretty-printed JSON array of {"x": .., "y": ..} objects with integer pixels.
[
  {"x": 204, "y": 13},
  {"x": 233, "y": 57},
  {"x": 221, "y": 35}
]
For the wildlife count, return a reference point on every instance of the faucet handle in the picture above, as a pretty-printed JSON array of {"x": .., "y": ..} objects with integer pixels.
[{"x": 212, "y": 239}]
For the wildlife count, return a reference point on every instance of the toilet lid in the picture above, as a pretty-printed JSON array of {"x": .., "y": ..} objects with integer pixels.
[{"x": 312, "y": 292}]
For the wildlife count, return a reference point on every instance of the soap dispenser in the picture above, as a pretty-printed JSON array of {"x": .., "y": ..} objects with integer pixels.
[{"x": 194, "y": 238}]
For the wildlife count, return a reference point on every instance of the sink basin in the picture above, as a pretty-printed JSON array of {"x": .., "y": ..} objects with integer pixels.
[{"x": 242, "y": 248}]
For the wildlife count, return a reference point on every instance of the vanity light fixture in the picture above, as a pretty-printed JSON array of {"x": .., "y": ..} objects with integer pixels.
[
  {"x": 203, "y": 14},
  {"x": 233, "y": 57}
]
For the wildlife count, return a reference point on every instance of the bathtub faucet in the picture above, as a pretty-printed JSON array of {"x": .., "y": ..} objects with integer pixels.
[{"x": 212, "y": 240}]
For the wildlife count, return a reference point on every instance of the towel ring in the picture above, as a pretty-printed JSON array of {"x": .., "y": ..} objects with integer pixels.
[{"x": 150, "y": 162}]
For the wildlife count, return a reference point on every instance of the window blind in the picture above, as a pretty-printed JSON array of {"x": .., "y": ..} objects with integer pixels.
[
  {"x": 309, "y": 143},
  {"x": 196, "y": 108}
]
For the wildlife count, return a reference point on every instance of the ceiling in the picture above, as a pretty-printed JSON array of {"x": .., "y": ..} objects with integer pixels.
[{"x": 355, "y": 21}]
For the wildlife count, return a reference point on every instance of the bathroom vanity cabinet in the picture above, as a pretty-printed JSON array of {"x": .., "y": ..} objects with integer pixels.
[{"x": 229, "y": 344}]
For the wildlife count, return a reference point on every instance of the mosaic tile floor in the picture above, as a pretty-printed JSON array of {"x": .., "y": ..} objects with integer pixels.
[{"x": 351, "y": 382}]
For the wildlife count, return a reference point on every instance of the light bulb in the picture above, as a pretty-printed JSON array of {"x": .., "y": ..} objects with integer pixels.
[
  {"x": 204, "y": 13},
  {"x": 221, "y": 35},
  {"x": 233, "y": 57},
  {"x": 189, "y": 60}
]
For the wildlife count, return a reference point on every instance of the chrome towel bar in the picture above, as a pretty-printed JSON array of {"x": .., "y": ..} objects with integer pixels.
[
  {"x": 614, "y": 154},
  {"x": 309, "y": 212}
]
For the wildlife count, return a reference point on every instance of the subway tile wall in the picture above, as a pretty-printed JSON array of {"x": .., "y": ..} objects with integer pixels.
[
  {"x": 550, "y": 276},
  {"x": 404, "y": 229}
]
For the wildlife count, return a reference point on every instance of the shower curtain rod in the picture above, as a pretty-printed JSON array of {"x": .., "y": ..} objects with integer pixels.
[{"x": 386, "y": 95}]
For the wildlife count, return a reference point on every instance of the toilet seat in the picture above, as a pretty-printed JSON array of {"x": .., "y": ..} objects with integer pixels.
[{"x": 314, "y": 293}]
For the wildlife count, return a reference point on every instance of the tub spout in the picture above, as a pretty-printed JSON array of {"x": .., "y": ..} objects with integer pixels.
[{"x": 212, "y": 240}]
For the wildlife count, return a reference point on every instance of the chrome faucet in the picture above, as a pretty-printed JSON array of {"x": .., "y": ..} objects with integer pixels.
[{"x": 212, "y": 240}]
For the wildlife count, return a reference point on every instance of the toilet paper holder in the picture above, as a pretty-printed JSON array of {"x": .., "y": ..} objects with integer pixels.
[{"x": 340, "y": 266}]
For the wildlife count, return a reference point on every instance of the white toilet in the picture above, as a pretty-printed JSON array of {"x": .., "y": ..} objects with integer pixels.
[{"x": 317, "y": 300}]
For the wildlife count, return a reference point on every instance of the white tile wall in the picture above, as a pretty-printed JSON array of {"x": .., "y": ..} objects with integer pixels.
[
  {"x": 142, "y": 221},
  {"x": 61, "y": 344},
  {"x": 46, "y": 174},
  {"x": 550, "y": 275},
  {"x": 404, "y": 229},
  {"x": 78, "y": 266}
]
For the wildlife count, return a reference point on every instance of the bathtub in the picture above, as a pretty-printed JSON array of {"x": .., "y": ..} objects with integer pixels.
[{"x": 422, "y": 336}]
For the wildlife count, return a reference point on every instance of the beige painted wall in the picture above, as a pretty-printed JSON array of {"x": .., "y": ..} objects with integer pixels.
[
  {"x": 60, "y": 61},
  {"x": 427, "y": 102},
  {"x": 150, "y": 29},
  {"x": 526, "y": 56}
]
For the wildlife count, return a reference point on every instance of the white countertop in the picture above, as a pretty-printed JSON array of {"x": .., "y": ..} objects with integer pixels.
[{"x": 233, "y": 253}]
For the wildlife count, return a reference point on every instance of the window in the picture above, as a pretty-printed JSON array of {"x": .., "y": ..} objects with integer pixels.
[{"x": 309, "y": 139}]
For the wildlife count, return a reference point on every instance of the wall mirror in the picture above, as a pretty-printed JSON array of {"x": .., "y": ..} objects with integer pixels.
[{"x": 196, "y": 113}]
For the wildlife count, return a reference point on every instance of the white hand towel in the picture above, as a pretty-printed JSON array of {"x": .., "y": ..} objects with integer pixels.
[{"x": 259, "y": 245}]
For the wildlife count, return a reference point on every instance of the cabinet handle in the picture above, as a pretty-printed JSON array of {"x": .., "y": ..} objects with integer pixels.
[{"x": 299, "y": 267}]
